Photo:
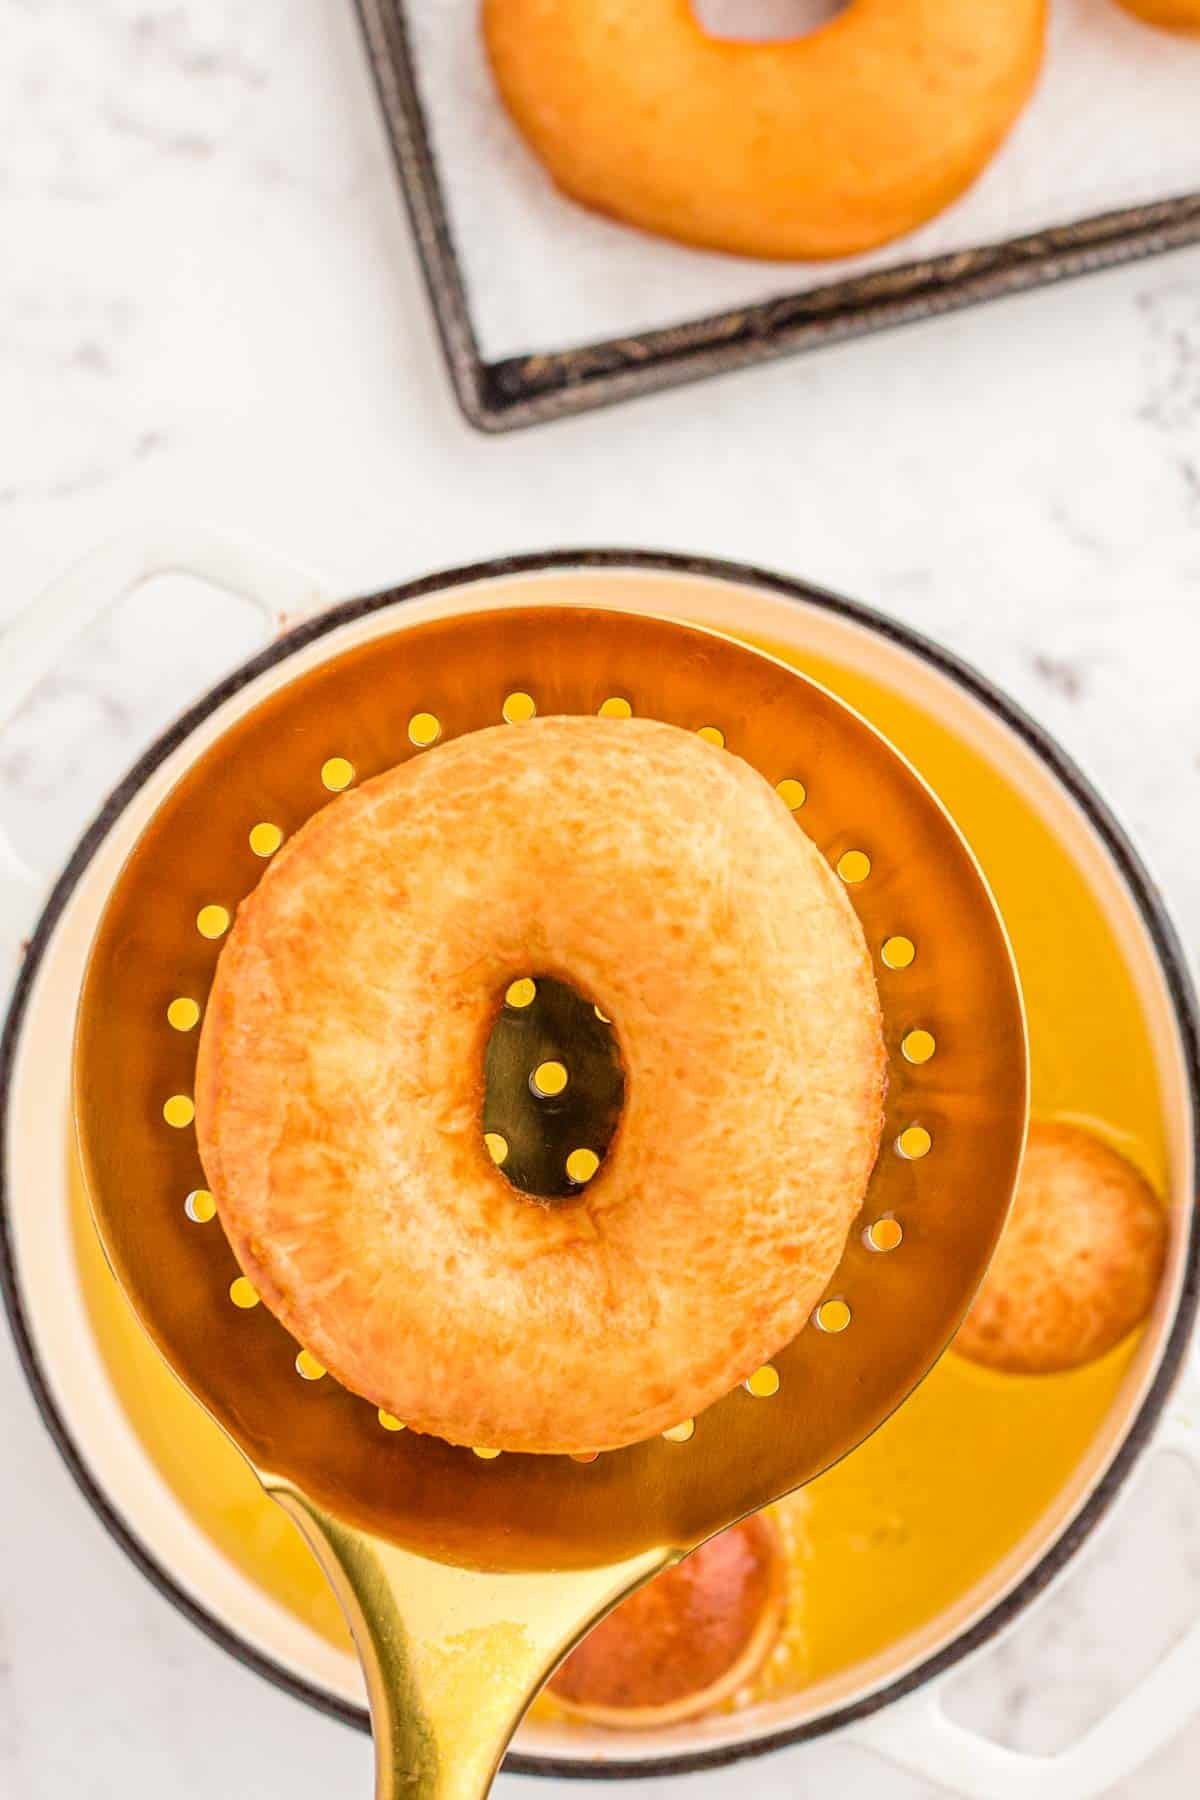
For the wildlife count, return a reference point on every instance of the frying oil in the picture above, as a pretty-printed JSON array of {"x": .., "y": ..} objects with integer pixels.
[{"x": 906, "y": 1525}]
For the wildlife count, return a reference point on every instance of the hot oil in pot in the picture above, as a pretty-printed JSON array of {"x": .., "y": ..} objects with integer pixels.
[{"x": 903, "y": 1528}]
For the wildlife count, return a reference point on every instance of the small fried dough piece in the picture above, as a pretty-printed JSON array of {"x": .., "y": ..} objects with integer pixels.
[
  {"x": 1078, "y": 1263},
  {"x": 684, "y": 1642}
]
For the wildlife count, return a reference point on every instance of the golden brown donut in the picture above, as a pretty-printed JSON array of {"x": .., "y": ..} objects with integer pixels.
[
  {"x": 340, "y": 1079},
  {"x": 687, "y": 1640},
  {"x": 1171, "y": 15},
  {"x": 818, "y": 146},
  {"x": 1078, "y": 1263}
]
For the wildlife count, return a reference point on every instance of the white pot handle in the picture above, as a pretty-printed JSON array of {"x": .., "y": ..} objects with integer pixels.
[
  {"x": 916, "y": 1733},
  {"x": 36, "y": 638}
]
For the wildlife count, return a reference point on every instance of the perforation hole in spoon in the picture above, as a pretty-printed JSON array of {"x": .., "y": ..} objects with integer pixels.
[
  {"x": 183, "y": 1014},
  {"x": 265, "y": 838},
  {"x": 424, "y": 729}
]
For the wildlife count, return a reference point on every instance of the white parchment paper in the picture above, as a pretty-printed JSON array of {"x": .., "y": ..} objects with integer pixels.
[{"x": 1115, "y": 122}]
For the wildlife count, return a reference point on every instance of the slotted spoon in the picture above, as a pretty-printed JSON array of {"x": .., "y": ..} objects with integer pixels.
[{"x": 464, "y": 1579}]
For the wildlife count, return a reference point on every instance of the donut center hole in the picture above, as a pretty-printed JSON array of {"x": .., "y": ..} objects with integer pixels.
[
  {"x": 764, "y": 21},
  {"x": 553, "y": 1088}
]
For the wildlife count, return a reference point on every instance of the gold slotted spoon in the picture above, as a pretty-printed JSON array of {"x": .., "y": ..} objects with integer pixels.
[{"x": 465, "y": 1580}]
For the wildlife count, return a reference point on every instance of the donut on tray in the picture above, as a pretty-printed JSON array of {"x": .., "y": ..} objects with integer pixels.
[{"x": 817, "y": 146}]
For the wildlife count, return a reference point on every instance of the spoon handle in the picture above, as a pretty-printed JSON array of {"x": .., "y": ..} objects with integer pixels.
[{"x": 452, "y": 1657}]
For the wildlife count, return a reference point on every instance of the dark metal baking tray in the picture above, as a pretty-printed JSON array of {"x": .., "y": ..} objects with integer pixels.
[{"x": 551, "y": 384}]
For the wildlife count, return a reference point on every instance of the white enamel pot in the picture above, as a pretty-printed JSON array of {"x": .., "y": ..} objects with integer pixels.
[{"x": 893, "y": 1704}]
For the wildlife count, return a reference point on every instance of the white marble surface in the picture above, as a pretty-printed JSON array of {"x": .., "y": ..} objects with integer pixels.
[{"x": 209, "y": 309}]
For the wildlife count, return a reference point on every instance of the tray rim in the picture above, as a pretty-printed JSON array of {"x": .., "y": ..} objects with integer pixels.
[{"x": 542, "y": 385}]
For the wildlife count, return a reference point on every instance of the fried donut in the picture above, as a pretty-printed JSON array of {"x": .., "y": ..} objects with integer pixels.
[
  {"x": 1171, "y": 15},
  {"x": 1078, "y": 1263},
  {"x": 687, "y": 1640},
  {"x": 819, "y": 146},
  {"x": 340, "y": 1082}
]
